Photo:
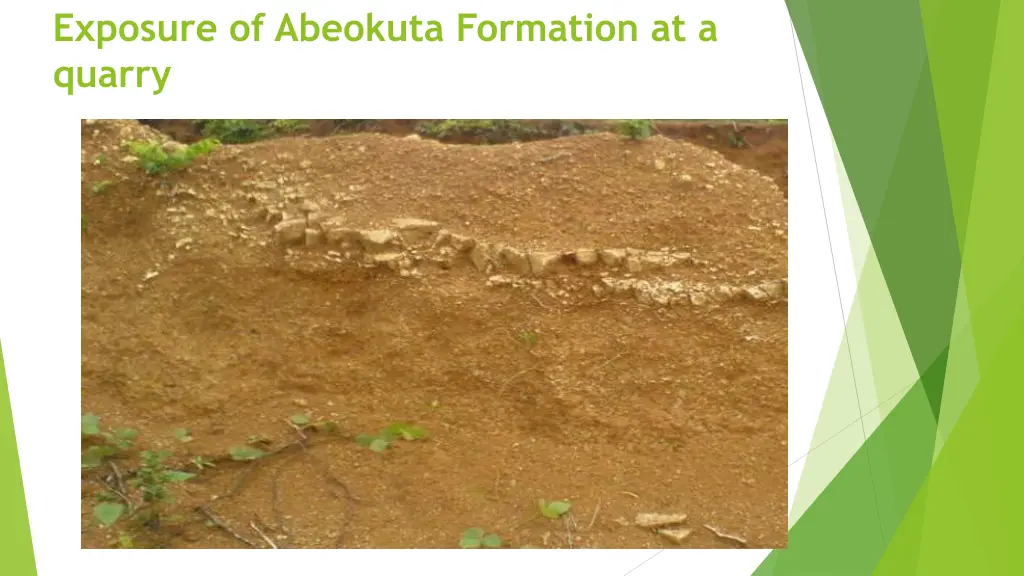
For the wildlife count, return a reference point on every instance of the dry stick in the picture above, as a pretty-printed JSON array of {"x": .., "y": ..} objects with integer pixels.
[
  {"x": 517, "y": 375},
  {"x": 607, "y": 362},
  {"x": 332, "y": 479},
  {"x": 256, "y": 529},
  {"x": 594, "y": 517},
  {"x": 568, "y": 530},
  {"x": 205, "y": 510},
  {"x": 120, "y": 491}
]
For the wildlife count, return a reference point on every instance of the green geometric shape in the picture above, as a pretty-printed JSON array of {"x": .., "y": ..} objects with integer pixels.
[
  {"x": 960, "y": 37},
  {"x": 846, "y": 529},
  {"x": 15, "y": 535},
  {"x": 961, "y": 370}
]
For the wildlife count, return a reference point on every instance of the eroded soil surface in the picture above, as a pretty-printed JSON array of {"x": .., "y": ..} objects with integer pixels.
[{"x": 585, "y": 318}]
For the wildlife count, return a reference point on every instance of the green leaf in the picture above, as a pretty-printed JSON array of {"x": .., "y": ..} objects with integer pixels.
[
  {"x": 108, "y": 512},
  {"x": 471, "y": 538},
  {"x": 406, "y": 431},
  {"x": 178, "y": 476},
  {"x": 365, "y": 440},
  {"x": 553, "y": 509},
  {"x": 183, "y": 435},
  {"x": 94, "y": 455},
  {"x": 300, "y": 420},
  {"x": 125, "y": 437},
  {"x": 491, "y": 541},
  {"x": 244, "y": 453},
  {"x": 90, "y": 424},
  {"x": 379, "y": 445}
]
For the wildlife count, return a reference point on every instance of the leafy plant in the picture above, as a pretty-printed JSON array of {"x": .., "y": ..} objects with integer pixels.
[
  {"x": 153, "y": 476},
  {"x": 299, "y": 420},
  {"x": 110, "y": 443},
  {"x": 106, "y": 513},
  {"x": 554, "y": 509},
  {"x": 736, "y": 140},
  {"x": 243, "y": 453},
  {"x": 288, "y": 126},
  {"x": 183, "y": 435},
  {"x": 476, "y": 538},
  {"x": 388, "y": 436},
  {"x": 155, "y": 158},
  {"x": 528, "y": 337},
  {"x": 236, "y": 131},
  {"x": 634, "y": 129}
]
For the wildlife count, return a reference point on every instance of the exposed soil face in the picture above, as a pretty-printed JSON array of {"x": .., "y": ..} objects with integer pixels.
[
  {"x": 761, "y": 146},
  {"x": 652, "y": 379}
]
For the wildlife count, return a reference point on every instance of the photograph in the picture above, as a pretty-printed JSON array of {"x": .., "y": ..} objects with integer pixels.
[{"x": 434, "y": 334}]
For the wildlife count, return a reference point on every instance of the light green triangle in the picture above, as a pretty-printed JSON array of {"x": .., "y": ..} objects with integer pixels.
[
  {"x": 873, "y": 366},
  {"x": 961, "y": 370}
]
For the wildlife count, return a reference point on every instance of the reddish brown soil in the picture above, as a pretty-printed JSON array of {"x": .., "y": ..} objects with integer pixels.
[
  {"x": 764, "y": 145},
  {"x": 619, "y": 407}
]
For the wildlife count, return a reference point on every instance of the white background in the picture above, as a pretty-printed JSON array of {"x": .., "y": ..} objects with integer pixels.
[{"x": 753, "y": 71}]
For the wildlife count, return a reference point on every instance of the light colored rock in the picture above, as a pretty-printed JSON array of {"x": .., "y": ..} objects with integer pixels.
[
  {"x": 314, "y": 237},
  {"x": 415, "y": 230},
  {"x": 336, "y": 232},
  {"x": 393, "y": 260},
  {"x": 382, "y": 240},
  {"x": 542, "y": 263},
  {"x": 480, "y": 256},
  {"x": 462, "y": 243},
  {"x": 443, "y": 238},
  {"x": 500, "y": 280},
  {"x": 291, "y": 231},
  {"x": 755, "y": 293},
  {"x": 676, "y": 535},
  {"x": 305, "y": 164},
  {"x": 659, "y": 164},
  {"x": 775, "y": 289},
  {"x": 183, "y": 243},
  {"x": 515, "y": 261},
  {"x": 659, "y": 520},
  {"x": 587, "y": 257},
  {"x": 698, "y": 298},
  {"x": 309, "y": 206},
  {"x": 613, "y": 257}
]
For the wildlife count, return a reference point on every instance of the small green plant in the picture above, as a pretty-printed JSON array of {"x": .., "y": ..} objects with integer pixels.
[
  {"x": 236, "y": 131},
  {"x": 153, "y": 476},
  {"x": 299, "y": 420},
  {"x": 99, "y": 160},
  {"x": 245, "y": 453},
  {"x": 388, "y": 436},
  {"x": 476, "y": 538},
  {"x": 103, "y": 444},
  {"x": 288, "y": 126},
  {"x": 156, "y": 158},
  {"x": 183, "y": 435},
  {"x": 634, "y": 129},
  {"x": 554, "y": 509},
  {"x": 736, "y": 140},
  {"x": 141, "y": 495},
  {"x": 528, "y": 337}
]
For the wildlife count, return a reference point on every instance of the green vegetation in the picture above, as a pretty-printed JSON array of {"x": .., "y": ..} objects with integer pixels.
[
  {"x": 634, "y": 129},
  {"x": 157, "y": 158},
  {"x": 388, "y": 436},
  {"x": 244, "y": 131},
  {"x": 554, "y": 509},
  {"x": 138, "y": 497},
  {"x": 476, "y": 538}
]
